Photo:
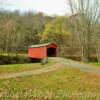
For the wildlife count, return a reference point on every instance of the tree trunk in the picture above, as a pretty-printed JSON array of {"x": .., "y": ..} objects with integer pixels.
[
  {"x": 98, "y": 50},
  {"x": 85, "y": 55}
]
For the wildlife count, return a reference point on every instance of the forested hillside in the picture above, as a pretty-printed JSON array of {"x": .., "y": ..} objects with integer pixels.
[{"x": 20, "y": 30}]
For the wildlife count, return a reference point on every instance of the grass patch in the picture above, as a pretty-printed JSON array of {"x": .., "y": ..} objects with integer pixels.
[
  {"x": 59, "y": 81},
  {"x": 22, "y": 67},
  {"x": 95, "y": 63}
]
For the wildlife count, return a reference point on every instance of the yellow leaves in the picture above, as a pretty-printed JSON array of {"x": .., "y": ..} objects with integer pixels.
[
  {"x": 44, "y": 37},
  {"x": 55, "y": 28},
  {"x": 49, "y": 28}
]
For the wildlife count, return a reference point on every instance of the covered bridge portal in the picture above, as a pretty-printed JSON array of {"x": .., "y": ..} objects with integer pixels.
[{"x": 43, "y": 50}]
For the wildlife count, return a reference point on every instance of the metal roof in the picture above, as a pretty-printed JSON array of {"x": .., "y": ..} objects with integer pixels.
[{"x": 40, "y": 45}]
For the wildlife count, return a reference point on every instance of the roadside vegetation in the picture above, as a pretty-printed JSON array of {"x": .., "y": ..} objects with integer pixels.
[{"x": 95, "y": 63}]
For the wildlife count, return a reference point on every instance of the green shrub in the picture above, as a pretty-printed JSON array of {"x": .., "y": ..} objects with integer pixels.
[{"x": 14, "y": 59}]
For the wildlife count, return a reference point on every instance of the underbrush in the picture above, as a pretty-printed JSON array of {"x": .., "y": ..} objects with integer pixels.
[
  {"x": 92, "y": 58},
  {"x": 11, "y": 59}
]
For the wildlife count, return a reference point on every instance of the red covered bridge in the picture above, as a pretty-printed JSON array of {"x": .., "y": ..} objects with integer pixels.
[{"x": 43, "y": 50}]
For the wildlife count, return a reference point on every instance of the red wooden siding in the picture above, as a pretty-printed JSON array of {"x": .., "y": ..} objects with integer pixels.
[
  {"x": 37, "y": 52},
  {"x": 40, "y": 52}
]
